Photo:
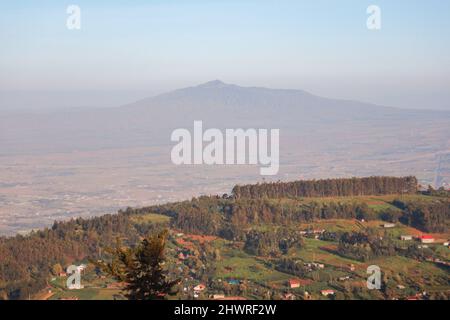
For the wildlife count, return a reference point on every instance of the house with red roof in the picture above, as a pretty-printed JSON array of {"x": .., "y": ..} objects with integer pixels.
[
  {"x": 200, "y": 287},
  {"x": 294, "y": 283},
  {"x": 426, "y": 238},
  {"x": 327, "y": 292}
]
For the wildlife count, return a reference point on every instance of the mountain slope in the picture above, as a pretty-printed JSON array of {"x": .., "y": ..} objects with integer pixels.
[{"x": 150, "y": 121}]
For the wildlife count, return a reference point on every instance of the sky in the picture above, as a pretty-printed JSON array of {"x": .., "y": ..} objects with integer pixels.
[{"x": 127, "y": 50}]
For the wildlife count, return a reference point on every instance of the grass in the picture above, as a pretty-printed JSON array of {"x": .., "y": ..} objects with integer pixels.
[
  {"x": 150, "y": 218},
  {"x": 236, "y": 264},
  {"x": 239, "y": 265},
  {"x": 332, "y": 225},
  {"x": 314, "y": 251}
]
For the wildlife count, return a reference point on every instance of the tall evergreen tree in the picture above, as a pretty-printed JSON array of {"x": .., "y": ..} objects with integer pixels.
[{"x": 141, "y": 268}]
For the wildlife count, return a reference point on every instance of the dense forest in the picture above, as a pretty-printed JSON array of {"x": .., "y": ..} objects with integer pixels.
[
  {"x": 429, "y": 217},
  {"x": 329, "y": 188},
  {"x": 27, "y": 262},
  {"x": 280, "y": 241},
  {"x": 365, "y": 246}
]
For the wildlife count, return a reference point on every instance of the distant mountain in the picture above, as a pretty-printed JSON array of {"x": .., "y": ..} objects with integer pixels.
[
  {"x": 217, "y": 103},
  {"x": 150, "y": 121},
  {"x": 128, "y": 148}
]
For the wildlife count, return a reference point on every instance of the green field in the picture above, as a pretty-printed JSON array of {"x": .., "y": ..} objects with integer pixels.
[{"x": 150, "y": 218}]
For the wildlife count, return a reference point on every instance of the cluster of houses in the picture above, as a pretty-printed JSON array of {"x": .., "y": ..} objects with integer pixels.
[
  {"x": 425, "y": 238},
  {"x": 201, "y": 288},
  {"x": 296, "y": 283},
  {"x": 197, "y": 290},
  {"x": 311, "y": 266},
  {"x": 313, "y": 233}
]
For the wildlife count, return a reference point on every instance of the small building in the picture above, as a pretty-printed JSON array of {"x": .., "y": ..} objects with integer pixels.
[
  {"x": 389, "y": 225},
  {"x": 289, "y": 296},
  {"x": 200, "y": 287},
  {"x": 218, "y": 296},
  {"x": 406, "y": 237},
  {"x": 426, "y": 238},
  {"x": 327, "y": 292},
  {"x": 294, "y": 283}
]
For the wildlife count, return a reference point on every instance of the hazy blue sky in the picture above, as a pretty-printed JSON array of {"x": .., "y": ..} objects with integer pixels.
[{"x": 131, "y": 49}]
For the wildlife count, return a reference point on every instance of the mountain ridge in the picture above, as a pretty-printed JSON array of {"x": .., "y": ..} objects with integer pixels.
[
  {"x": 150, "y": 121},
  {"x": 219, "y": 86}
]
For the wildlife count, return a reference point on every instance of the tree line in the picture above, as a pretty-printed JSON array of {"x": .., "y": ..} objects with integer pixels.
[{"x": 328, "y": 188}]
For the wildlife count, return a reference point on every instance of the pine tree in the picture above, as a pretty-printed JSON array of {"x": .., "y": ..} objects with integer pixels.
[{"x": 141, "y": 268}]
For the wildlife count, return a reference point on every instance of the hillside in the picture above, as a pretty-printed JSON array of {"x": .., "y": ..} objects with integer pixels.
[
  {"x": 252, "y": 247},
  {"x": 52, "y": 162}
]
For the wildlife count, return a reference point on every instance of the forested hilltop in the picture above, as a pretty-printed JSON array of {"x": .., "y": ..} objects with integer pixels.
[
  {"x": 265, "y": 217},
  {"x": 329, "y": 188}
]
